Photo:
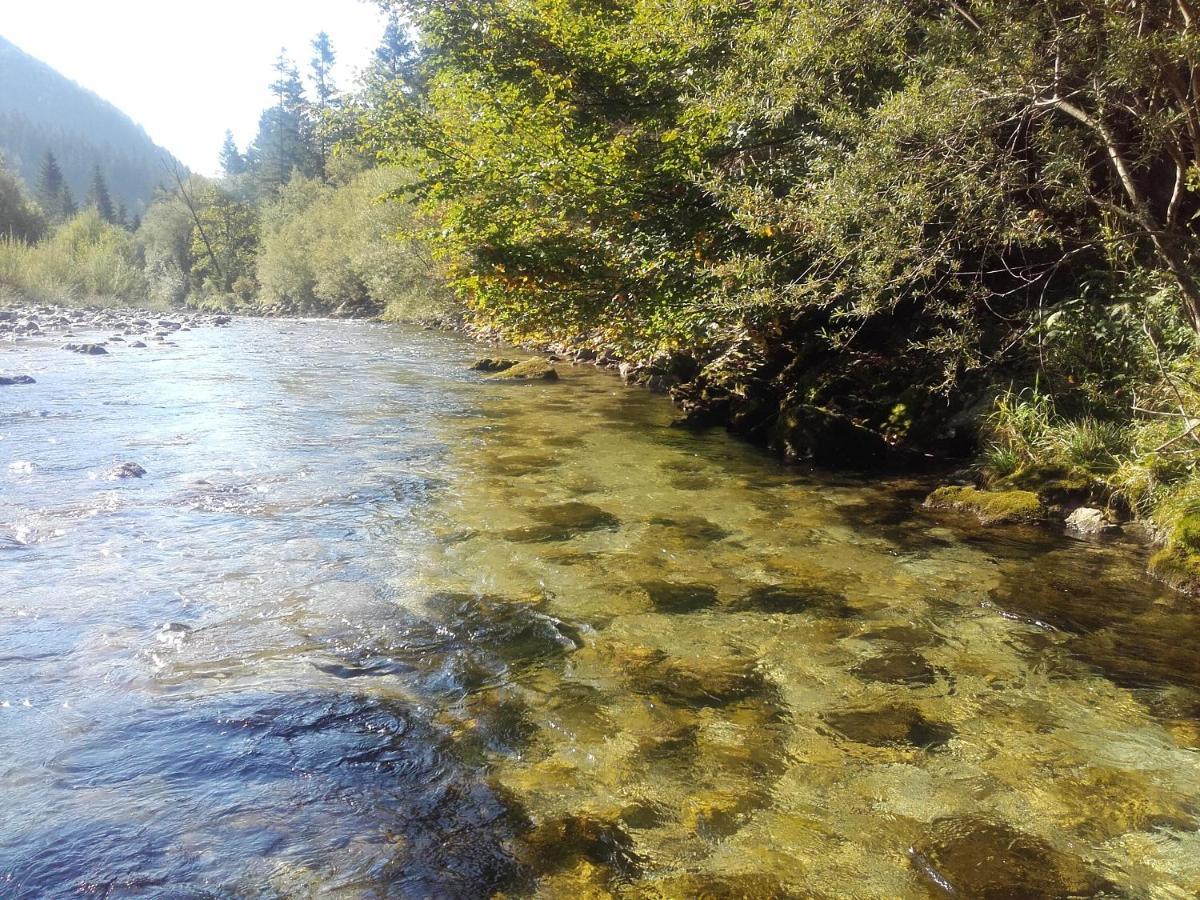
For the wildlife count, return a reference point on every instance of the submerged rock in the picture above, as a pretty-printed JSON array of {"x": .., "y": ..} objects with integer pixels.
[
  {"x": 696, "y": 682},
  {"x": 695, "y": 886},
  {"x": 672, "y": 597},
  {"x": 7, "y": 380},
  {"x": 972, "y": 857},
  {"x": 890, "y": 726},
  {"x": 991, "y": 507},
  {"x": 900, "y": 667},
  {"x": 536, "y": 369},
  {"x": 563, "y": 521},
  {"x": 563, "y": 843},
  {"x": 778, "y": 598}
]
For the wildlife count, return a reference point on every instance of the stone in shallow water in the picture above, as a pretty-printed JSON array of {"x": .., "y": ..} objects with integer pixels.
[
  {"x": 889, "y": 726},
  {"x": 781, "y": 598},
  {"x": 563, "y": 843},
  {"x": 698, "y": 682},
  {"x": 972, "y": 857},
  {"x": 516, "y": 465},
  {"x": 126, "y": 470},
  {"x": 7, "y": 380},
  {"x": 693, "y": 528},
  {"x": 697, "y": 886},
  {"x": 899, "y": 667},
  {"x": 536, "y": 369},
  {"x": 672, "y": 597},
  {"x": 493, "y": 364},
  {"x": 563, "y": 521}
]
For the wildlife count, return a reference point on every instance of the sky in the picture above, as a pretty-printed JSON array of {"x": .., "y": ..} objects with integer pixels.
[{"x": 186, "y": 71}]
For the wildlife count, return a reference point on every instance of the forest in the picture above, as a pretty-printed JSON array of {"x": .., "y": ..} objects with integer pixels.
[{"x": 871, "y": 234}]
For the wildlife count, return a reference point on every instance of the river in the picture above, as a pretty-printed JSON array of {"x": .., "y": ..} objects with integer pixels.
[{"x": 371, "y": 625}]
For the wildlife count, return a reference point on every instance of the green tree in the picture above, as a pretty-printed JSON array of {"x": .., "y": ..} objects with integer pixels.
[
  {"x": 98, "y": 197},
  {"x": 321, "y": 69},
  {"x": 233, "y": 163},
  {"x": 284, "y": 142},
  {"x": 52, "y": 188}
]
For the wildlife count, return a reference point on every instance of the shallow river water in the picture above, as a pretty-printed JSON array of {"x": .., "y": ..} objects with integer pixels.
[{"x": 373, "y": 626}]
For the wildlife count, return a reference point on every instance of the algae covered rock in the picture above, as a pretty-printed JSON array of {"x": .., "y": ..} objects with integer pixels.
[
  {"x": 493, "y": 364},
  {"x": 1178, "y": 563},
  {"x": 536, "y": 369},
  {"x": 972, "y": 857},
  {"x": 991, "y": 507}
]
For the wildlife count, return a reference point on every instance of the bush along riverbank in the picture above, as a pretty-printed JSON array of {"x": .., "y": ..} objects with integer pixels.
[
  {"x": 857, "y": 234},
  {"x": 1091, "y": 449}
]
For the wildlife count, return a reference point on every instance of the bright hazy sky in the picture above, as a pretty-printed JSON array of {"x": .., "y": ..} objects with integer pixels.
[{"x": 186, "y": 71}]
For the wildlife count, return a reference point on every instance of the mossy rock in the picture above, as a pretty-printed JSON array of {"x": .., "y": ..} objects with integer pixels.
[
  {"x": 1054, "y": 485},
  {"x": 972, "y": 857},
  {"x": 536, "y": 369},
  {"x": 1178, "y": 567},
  {"x": 493, "y": 364},
  {"x": 991, "y": 507}
]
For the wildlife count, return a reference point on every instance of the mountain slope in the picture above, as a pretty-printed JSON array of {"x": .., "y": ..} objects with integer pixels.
[{"x": 42, "y": 110}]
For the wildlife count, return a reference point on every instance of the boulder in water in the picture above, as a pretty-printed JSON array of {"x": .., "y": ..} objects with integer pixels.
[
  {"x": 493, "y": 364},
  {"x": 6, "y": 380},
  {"x": 536, "y": 369},
  {"x": 126, "y": 470},
  {"x": 1089, "y": 522}
]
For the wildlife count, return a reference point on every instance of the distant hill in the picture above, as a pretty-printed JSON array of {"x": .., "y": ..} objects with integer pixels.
[{"x": 42, "y": 110}]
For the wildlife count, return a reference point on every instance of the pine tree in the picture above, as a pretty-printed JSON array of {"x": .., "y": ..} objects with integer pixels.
[
  {"x": 284, "y": 142},
  {"x": 99, "y": 197},
  {"x": 121, "y": 217},
  {"x": 50, "y": 188},
  {"x": 321, "y": 67},
  {"x": 397, "y": 58},
  {"x": 233, "y": 163},
  {"x": 69, "y": 206}
]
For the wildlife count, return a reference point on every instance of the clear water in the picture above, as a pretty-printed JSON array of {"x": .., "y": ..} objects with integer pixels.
[{"x": 373, "y": 626}]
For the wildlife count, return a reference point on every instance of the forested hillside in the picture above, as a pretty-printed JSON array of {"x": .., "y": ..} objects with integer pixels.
[{"x": 43, "y": 112}]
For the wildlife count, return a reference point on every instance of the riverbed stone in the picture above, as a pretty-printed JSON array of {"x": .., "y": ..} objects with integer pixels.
[
  {"x": 794, "y": 598},
  {"x": 968, "y": 856},
  {"x": 892, "y": 725},
  {"x": 899, "y": 667},
  {"x": 1089, "y": 522},
  {"x": 562, "y": 843},
  {"x": 676, "y": 597},
  {"x": 535, "y": 369},
  {"x": 562, "y": 522},
  {"x": 711, "y": 886},
  {"x": 9, "y": 380},
  {"x": 698, "y": 683}
]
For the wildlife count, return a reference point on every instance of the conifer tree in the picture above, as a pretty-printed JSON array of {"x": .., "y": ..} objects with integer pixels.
[
  {"x": 51, "y": 186},
  {"x": 69, "y": 206},
  {"x": 233, "y": 163},
  {"x": 99, "y": 197},
  {"x": 321, "y": 68}
]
